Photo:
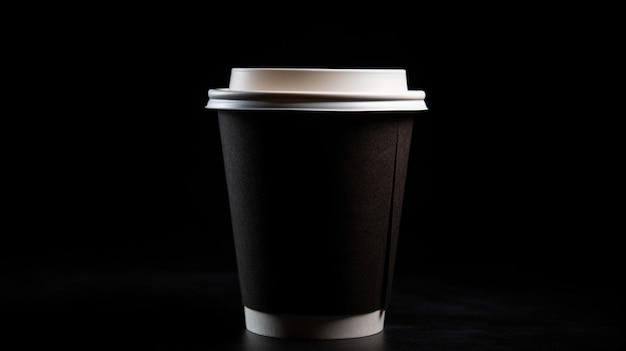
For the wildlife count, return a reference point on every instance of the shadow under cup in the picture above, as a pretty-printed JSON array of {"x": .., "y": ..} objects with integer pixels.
[{"x": 315, "y": 202}]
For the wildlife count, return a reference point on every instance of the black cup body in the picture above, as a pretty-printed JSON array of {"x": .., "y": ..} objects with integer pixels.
[{"x": 315, "y": 202}]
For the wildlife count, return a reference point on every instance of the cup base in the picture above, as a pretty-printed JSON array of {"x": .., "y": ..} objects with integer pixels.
[{"x": 314, "y": 327}]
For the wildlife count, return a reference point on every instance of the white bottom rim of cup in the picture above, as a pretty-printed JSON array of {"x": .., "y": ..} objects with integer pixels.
[{"x": 314, "y": 327}]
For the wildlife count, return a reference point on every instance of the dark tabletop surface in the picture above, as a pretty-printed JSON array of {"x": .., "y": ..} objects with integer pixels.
[{"x": 195, "y": 310}]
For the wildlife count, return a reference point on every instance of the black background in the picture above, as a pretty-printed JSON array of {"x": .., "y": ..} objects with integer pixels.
[{"x": 117, "y": 171}]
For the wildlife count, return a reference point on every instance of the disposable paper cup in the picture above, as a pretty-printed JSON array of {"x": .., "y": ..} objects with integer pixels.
[{"x": 315, "y": 163}]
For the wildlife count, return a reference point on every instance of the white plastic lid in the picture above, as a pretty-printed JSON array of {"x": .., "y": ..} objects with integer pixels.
[{"x": 317, "y": 89}]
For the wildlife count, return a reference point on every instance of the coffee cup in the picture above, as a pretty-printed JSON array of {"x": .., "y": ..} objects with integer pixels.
[{"x": 315, "y": 163}]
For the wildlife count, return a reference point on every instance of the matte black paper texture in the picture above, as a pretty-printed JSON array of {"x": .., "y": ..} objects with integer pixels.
[{"x": 315, "y": 201}]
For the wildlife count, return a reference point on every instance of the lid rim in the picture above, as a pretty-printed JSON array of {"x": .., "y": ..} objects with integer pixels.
[
  {"x": 317, "y": 69},
  {"x": 231, "y": 94},
  {"x": 338, "y": 106}
]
